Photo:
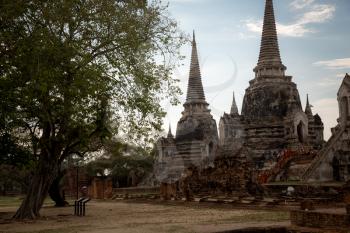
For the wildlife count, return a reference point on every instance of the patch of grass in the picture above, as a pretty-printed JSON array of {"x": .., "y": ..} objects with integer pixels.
[
  {"x": 10, "y": 201},
  {"x": 15, "y": 201}
]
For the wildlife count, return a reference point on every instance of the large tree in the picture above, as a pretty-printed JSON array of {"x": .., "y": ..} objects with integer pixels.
[{"x": 71, "y": 71}]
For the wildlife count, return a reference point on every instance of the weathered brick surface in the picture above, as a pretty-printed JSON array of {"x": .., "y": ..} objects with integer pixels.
[{"x": 319, "y": 220}]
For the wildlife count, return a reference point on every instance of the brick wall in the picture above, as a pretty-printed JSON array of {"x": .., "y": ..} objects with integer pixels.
[
  {"x": 136, "y": 190},
  {"x": 319, "y": 220},
  {"x": 101, "y": 188}
]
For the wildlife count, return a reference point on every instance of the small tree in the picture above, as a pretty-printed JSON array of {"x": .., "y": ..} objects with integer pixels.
[
  {"x": 122, "y": 160},
  {"x": 72, "y": 71}
]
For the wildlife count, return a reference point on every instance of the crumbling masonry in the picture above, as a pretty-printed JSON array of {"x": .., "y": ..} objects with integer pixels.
[{"x": 272, "y": 124}]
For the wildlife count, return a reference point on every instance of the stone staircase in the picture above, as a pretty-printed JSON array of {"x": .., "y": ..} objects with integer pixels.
[
  {"x": 322, "y": 154},
  {"x": 284, "y": 158}
]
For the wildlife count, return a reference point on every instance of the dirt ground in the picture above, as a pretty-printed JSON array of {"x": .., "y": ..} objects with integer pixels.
[{"x": 143, "y": 217}]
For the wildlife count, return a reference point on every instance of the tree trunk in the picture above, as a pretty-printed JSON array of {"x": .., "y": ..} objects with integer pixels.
[
  {"x": 38, "y": 189},
  {"x": 55, "y": 191}
]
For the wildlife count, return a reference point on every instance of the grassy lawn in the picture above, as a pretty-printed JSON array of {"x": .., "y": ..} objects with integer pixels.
[
  {"x": 15, "y": 201},
  {"x": 10, "y": 201}
]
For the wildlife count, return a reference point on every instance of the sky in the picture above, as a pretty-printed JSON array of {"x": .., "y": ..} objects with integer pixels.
[{"x": 314, "y": 39}]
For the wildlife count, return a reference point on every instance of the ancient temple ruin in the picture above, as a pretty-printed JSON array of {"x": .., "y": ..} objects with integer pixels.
[
  {"x": 333, "y": 161},
  {"x": 272, "y": 118},
  {"x": 196, "y": 140},
  {"x": 272, "y": 135}
]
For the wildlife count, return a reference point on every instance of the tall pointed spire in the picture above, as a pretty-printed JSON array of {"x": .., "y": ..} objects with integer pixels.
[
  {"x": 269, "y": 57},
  {"x": 195, "y": 92},
  {"x": 170, "y": 134},
  {"x": 234, "y": 109},
  {"x": 308, "y": 110},
  {"x": 269, "y": 49}
]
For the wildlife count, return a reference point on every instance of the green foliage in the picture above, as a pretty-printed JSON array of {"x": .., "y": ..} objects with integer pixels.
[
  {"x": 122, "y": 159},
  {"x": 74, "y": 72},
  {"x": 11, "y": 153},
  {"x": 16, "y": 164},
  {"x": 14, "y": 178}
]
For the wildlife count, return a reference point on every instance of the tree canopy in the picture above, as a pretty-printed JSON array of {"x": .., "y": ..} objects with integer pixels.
[
  {"x": 122, "y": 161},
  {"x": 73, "y": 72}
]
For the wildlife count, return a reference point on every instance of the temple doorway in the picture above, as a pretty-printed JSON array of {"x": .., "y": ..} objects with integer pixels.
[
  {"x": 300, "y": 130},
  {"x": 211, "y": 147},
  {"x": 336, "y": 169}
]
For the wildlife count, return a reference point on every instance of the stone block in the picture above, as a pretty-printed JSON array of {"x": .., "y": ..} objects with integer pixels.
[
  {"x": 319, "y": 219},
  {"x": 307, "y": 205}
]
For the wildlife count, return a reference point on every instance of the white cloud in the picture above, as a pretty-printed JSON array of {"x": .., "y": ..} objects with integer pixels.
[
  {"x": 343, "y": 63},
  {"x": 329, "y": 82},
  {"x": 244, "y": 36},
  {"x": 315, "y": 13},
  {"x": 254, "y": 25},
  {"x": 318, "y": 14},
  {"x": 292, "y": 30},
  {"x": 300, "y": 4}
]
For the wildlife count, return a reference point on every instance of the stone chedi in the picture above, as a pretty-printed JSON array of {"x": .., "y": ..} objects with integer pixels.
[
  {"x": 231, "y": 129},
  {"x": 315, "y": 127},
  {"x": 271, "y": 121},
  {"x": 333, "y": 161},
  {"x": 272, "y": 118},
  {"x": 196, "y": 140}
]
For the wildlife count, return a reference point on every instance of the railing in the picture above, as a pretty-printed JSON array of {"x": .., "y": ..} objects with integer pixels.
[
  {"x": 266, "y": 175},
  {"x": 322, "y": 154},
  {"x": 284, "y": 157},
  {"x": 79, "y": 206}
]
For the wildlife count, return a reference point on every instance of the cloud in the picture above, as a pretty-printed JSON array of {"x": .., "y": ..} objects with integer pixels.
[
  {"x": 300, "y": 4},
  {"x": 318, "y": 14},
  {"x": 244, "y": 36},
  {"x": 254, "y": 25},
  {"x": 329, "y": 82},
  {"x": 292, "y": 30},
  {"x": 343, "y": 63},
  {"x": 315, "y": 13}
]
